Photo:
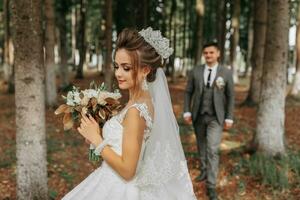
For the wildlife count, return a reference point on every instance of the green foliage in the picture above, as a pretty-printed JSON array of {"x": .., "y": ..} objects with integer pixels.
[
  {"x": 294, "y": 162},
  {"x": 273, "y": 172},
  {"x": 185, "y": 129},
  {"x": 191, "y": 154},
  {"x": 241, "y": 187},
  {"x": 8, "y": 158},
  {"x": 294, "y": 6},
  {"x": 210, "y": 20},
  {"x": 68, "y": 177},
  {"x": 233, "y": 131},
  {"x": 53, "y": 145},
  {"x": 278, "y": 173},
  {"x": 246, "y": 12},
  {"x": 94, "y": 15},
  {"x": 5, "y": 163},
  {"x": 52, "y": 194}
]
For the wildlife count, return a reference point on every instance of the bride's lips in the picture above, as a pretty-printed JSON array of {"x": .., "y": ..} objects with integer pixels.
[{"x": 121, "y": 81}]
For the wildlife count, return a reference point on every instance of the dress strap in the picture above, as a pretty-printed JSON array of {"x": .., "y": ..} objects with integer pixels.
[{"x": 144, "y": 112}]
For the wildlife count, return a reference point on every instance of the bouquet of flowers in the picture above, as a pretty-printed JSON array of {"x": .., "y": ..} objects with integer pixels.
[{"x": 96, "y": 101}]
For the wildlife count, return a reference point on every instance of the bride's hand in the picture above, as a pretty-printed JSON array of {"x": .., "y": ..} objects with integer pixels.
[{"x": 90, "y": 130}]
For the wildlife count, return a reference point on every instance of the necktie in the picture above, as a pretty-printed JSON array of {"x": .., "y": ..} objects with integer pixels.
[{"x": 208, "y": 78}]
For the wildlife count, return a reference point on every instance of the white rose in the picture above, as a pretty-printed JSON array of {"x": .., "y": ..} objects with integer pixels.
[
  {"x": 76, "y": 96},
  {"x": 90, "y": 93},
  {"x": 73, "y": 98},
  {"x": 102, "y": 96}
]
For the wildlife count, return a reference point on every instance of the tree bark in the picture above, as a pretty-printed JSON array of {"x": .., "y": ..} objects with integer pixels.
[
  {"x": 235, "y": 38},
  {"x": 63, "y": 68},
  {"x": 250, "y": 39},
  {"x": 271, "y": 112},
  {"x": 30, "y": 100},
  {"x": 184, "y": 30},
  {"x": 221, "y": 21},
  {"x": 51, "y": 93},
  {"x": 108, "y": 41},
  {"x": 173, "y": 56},
  {"x": 296, "y": 84},
  {"x": 200, "y": 7},
  {"x": 170, "y": 65},
  {"x": 81, "y": 40},
  {"x": 73, "y": 34},
  {"x": 145, "y": 12},
  {"x": 141, "y": 13},
  {"x": 8, "y": 66},
  {"x": 259, "y": 42}
]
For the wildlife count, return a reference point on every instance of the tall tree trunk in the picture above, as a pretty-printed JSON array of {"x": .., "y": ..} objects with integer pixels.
[
  {"x": 221, "y": 29},
  {"x": 235, "y": 38},
  {"x": 184, "y": 39},
  {"x": 192, "y": 34},
  {"x": 30, "y": 100},
  {"x": 250, "y": 39},
  {"x": 81, "y": 39},
  {"x": 108, "y": 40},
  {"x": 7, "y": 67},
  {"x": 51, "y": 94},
  {"x": 296, "y": 84},
  {"x": 171, "y": 61},
  {"x": 73, "y": 34},
  {"x": 270, "y": 116},
  {"x": 164, "y": 16},
  {"x": 173, "y": 56},
  {"x": 259, "y": 42},
  {"x": 209, "y": 21},
  {"x": 63, "y": 68},
  {"x": 141, "y": 13},
  {"x": 184, "y": 30},
  {"x": 200, "y": 17},
  {"x": 145, "y": 12},
  {"x": 8, "y": 49}
]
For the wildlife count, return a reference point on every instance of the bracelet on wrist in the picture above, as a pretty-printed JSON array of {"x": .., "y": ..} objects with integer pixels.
[{"x": 100, "y": 147}]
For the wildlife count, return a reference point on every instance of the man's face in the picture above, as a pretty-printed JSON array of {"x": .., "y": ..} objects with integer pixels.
[{"x": 211, "y": 55}]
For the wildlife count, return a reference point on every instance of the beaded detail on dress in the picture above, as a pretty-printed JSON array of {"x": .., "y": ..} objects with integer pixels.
[{"x": 144, "y": 112}]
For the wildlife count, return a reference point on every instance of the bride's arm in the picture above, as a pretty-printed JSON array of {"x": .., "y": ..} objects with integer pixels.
[{"x": 133, "y": 131}]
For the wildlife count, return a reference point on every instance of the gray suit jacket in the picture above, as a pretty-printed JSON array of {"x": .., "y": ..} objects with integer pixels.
[{"x": 223, "y": 97}]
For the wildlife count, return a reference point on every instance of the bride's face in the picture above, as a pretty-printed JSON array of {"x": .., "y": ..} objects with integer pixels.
[{"x": 124, "y": 69}]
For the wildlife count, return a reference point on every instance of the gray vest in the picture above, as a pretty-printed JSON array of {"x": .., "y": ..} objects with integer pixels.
[{"x": 207, "y": 105}]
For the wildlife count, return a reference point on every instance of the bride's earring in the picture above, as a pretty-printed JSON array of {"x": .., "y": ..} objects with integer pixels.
[{"x": 145, "y": 85}]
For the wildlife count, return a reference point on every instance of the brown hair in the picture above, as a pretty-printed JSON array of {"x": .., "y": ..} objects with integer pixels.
[{"x": 142, "y": 53}]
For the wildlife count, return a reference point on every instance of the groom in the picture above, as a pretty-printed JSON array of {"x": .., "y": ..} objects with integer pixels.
[{"x": 210, "y": 94}]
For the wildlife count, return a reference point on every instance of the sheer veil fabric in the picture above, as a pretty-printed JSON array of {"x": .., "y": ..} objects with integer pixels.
[{"x": 164, "y": 167}]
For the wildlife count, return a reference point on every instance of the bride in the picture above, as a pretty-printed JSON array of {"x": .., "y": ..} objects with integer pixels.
[{"x": 142, "y": 154}]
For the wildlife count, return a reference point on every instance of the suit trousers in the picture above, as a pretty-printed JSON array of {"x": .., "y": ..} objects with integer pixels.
[{"x": 208, "y": 134}]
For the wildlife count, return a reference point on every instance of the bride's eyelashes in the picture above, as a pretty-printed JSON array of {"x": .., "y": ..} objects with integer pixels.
[{"x": 125, "y": 67}]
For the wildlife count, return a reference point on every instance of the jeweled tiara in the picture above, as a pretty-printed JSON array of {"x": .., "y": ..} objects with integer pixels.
[{"x": 157, "y": 41}]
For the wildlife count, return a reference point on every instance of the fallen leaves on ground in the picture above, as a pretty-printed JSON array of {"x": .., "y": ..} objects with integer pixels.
[{"x": 68, "y": 161}]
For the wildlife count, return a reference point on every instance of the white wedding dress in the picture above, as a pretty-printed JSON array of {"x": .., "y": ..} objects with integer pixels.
[{"x": 162, "y": 172}]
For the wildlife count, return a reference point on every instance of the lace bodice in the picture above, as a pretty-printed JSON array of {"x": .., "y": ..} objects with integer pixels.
[{"x": 113, "y": 129}]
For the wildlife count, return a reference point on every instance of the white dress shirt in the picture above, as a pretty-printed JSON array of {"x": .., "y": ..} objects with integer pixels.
[{"x": 213, "y": 75}]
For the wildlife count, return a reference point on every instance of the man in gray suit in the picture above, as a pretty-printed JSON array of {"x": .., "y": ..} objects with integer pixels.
[{"x": 210, "y": 94}]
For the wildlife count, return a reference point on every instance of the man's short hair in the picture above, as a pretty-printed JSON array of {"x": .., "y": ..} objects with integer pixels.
[{"x": 211, "y": 44}]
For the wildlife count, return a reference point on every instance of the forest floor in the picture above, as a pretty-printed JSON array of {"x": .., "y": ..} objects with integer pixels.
[{"x": 67, "y": 152}]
